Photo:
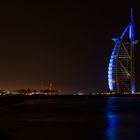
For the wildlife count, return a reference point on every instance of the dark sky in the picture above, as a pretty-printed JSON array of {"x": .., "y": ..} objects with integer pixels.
[{"x": 67, "y": 43}]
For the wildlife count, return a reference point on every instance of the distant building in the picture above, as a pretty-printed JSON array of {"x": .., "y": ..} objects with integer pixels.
[{"x": 121, "y": 75}]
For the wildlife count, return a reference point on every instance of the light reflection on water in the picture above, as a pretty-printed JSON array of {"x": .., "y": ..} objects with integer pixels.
[
  {"x": 109, "y": 118},
  {"x": 122, "y": 118},
  {"x": 112, "y": 121}
]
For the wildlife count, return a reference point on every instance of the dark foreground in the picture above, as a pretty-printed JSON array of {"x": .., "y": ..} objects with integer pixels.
[{"x": 70, "y": 118}]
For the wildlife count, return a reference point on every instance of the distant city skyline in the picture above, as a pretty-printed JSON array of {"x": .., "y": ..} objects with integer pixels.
[{"x": 64, "y": 43}]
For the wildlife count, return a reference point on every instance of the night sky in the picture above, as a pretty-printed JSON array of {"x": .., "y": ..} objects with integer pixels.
[{"x": 66, "y": 43}]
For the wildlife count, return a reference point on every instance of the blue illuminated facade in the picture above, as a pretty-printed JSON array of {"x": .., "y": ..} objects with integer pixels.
[
  {"x": 121, "y": 76},
  {"x": 112, "y": 67}
]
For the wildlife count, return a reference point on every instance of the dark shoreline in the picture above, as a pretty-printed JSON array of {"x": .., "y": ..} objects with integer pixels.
[{"x": 13, "y": 99}]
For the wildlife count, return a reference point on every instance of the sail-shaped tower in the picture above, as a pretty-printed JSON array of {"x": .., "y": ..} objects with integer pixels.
[{"x": 121, "y": 76}]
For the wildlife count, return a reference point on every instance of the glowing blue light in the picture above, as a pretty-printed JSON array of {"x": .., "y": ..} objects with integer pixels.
[
  {"x": 133, "y": 88},
  {"x": 126, "y": 30},
  {"x": 131, "y": 32},
  {"x": 111, "y": 67},
  {"x": 111, "y": 63},
  {"x": 112, "y": 120},
  {"x": 131, "y": 28},
  {"x": 109, "y": 72}
]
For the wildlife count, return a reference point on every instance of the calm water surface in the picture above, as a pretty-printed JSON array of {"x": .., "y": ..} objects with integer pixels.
[{"x": 98, "y": 118}]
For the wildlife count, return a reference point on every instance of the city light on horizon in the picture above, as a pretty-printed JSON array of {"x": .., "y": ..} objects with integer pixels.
[{"x": 69, "y": 44}]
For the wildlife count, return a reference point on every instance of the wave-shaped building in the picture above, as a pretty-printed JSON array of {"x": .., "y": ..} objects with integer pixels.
[{"x": 121, "y": 75}]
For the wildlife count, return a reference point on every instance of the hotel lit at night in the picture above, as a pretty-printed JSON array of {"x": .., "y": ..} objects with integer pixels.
[{"x": 121, "y": 75}]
